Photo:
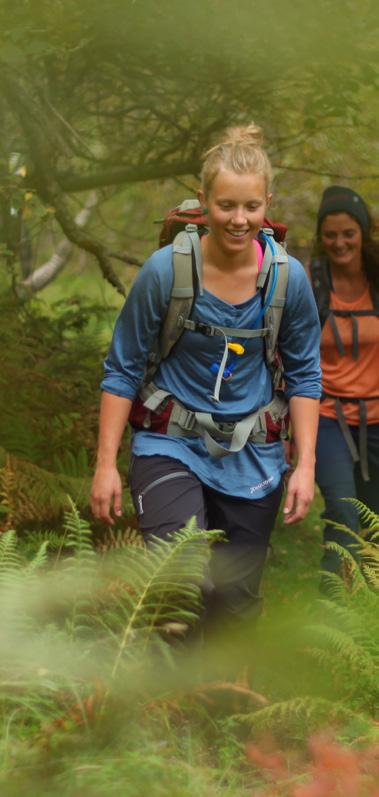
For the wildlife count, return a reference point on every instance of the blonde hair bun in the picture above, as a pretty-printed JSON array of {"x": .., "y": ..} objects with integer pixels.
[
  {"x": 251, "y": 135},
  {"x": 240, "y": 150}
]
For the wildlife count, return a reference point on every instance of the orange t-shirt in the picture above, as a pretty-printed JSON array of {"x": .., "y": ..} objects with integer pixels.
[{"x": 343, "y": 376}]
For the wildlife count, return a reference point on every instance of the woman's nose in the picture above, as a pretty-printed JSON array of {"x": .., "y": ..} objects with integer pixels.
[{"x": 239, "y": 216}]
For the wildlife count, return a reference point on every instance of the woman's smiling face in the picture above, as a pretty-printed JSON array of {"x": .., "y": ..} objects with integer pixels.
[
  {"x": 341, "y": 238},
  {"x": 237, "y": 205}
]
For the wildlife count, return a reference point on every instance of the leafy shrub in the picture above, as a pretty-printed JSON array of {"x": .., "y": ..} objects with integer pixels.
[
  {"x": 343, "y": 645},
  {"x": 49, "y": 394}
]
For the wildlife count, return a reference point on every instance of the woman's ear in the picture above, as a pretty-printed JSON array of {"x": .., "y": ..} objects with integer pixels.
[{"x": 201, "y": 197}]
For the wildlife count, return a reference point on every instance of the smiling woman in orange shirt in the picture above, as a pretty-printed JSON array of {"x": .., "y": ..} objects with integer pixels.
[{"x": 345, "y": 276}]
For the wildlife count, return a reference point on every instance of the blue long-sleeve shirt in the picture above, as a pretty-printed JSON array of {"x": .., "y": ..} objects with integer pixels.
[{"x": 186, "y": 374}]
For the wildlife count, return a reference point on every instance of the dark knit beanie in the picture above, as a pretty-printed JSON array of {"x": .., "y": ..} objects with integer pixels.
[{"x": 337, "y": 199}]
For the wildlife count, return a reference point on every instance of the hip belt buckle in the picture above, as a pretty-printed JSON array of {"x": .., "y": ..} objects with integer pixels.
[
  {"x": 186, "y": 420},
  {"x": 226, "y": 427}
]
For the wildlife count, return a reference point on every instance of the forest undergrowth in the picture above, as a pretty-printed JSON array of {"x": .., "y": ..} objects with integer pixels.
[
  {"x": 107, "y": 685},
  {"x": 107, "y": 688}
]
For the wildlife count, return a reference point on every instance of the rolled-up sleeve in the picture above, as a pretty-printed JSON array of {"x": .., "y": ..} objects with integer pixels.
[
  {"x": 299, "y": 337},
  {"x": 137, "y": 327}
]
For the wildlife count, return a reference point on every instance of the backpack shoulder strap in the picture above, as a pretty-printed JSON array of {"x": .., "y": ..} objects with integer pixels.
[
  {"x": 275, "y": 297},
  {"x": 187, "y": 280},
  {"x": 320, "y": 279}
]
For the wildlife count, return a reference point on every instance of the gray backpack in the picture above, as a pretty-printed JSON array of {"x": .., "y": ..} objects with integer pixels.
[{"x": 156, "y": 409}]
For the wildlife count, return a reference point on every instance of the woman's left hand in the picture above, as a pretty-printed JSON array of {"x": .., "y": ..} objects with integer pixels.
[{"x": 300, "y": 493}]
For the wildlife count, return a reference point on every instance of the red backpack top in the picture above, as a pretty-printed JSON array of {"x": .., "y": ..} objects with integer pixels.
[{"x": 191, "y": 212}]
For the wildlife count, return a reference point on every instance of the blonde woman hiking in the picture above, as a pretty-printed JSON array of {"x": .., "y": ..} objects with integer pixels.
[{"x": 208, "y": 428}]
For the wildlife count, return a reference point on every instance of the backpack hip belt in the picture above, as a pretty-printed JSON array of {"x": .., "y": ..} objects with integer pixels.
[{"x": 156, "y": 410}]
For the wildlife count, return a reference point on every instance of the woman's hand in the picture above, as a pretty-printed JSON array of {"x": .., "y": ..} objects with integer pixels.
[
  {"x": 300, "y": 493},
  {"x": 300, "y": 488},
  {"x": 106, "y": 494}
]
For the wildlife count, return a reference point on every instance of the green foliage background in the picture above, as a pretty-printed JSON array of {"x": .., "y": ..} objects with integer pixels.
[{"x": 121, "y": 99}]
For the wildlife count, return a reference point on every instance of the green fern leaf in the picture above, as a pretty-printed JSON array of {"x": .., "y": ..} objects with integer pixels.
[
  {"x": 369, "y": 518},
  {"x": 164, "y": 575}
]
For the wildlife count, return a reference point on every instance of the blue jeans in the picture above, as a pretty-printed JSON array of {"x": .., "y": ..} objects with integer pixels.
[{"x": 339, "y": 477}]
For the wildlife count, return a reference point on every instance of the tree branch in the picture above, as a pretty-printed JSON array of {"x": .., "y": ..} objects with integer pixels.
[
  {"x": 46, "y": 182},
  {"x": 155, "y": 170},
  {"x": 45, "y": 274},
  {"x": 339, "y": 176},
  {"x": 126, "y": 258}
]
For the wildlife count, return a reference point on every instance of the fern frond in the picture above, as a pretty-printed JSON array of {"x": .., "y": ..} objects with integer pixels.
[
  {"x": 348, "y": 615},
  {"x": 342, "y": 527},
  {"x": 121, "y": 538},
  {"x": 369, "y": 518},
  {"x": 345, "y": 553},
  {"x": 335, "y": 585},
  {"x": 353, "y": 534},
  {"x": 79, "y": 570},
  {"x": 345, "y": 646},
  {"x": 72, "y": 464},
  {"x": 79, "y": 535},
  {"x": 347, "y": 641},
  {"x": 7, "y": 490},
  {"x": 165, "y": 577},
  {"x": 39, "y": 560},
  {"x": 288, "y": 713},
  {"x": 37, "y": 494},
  {"x": 10, "y": 560},
  {"x": 17, "y": 581},
  {"x": 368, "y": 552},
  {"x": 371, "y": 574},
  {"x": 32, "y": 541},
  {"x": 322, "y": 657}
]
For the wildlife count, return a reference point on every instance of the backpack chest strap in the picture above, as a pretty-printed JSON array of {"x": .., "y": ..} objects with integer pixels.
[{"x": 210, "y": 330}]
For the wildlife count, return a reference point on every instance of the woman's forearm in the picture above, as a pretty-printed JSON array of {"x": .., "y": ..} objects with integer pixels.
[
  {"x": 114, "y": 415},
  {"x": 304, "y": 414}
]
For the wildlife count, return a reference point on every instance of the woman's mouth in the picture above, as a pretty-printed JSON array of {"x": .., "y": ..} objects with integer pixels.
[{"x": 237, "y": 233}]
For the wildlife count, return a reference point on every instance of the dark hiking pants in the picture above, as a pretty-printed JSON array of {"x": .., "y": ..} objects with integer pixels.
[{"x": 167, "y": 494}]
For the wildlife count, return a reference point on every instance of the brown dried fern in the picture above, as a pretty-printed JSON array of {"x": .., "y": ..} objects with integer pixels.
[
  {"x": 31, "y": 493},
  {"x": 7, "y": 490},
  {"x": 120, "y": 538}
]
